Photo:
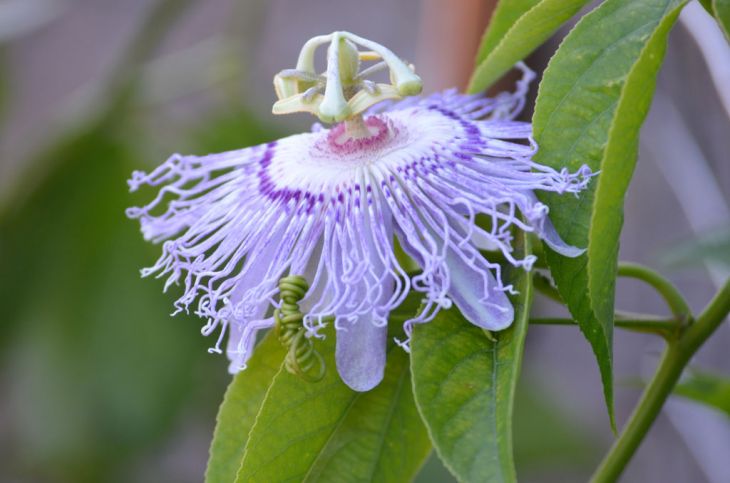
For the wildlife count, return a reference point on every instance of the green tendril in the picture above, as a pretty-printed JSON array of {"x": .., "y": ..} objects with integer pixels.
[{"x": 301, "y": 358}]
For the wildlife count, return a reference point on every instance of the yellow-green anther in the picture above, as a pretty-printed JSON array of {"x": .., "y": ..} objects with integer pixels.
[
  {"x": 285, "y": 87},
  {"x": 305, "y": 62},
  {"x": 288, "y": 86},
  {"x": 364, "y": 99},
  {"x": 290, "y": 105},
  {"x": 405, "y": 80}
]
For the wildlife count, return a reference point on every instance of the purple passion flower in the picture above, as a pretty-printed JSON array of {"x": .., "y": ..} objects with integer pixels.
[{"x": 331, "y": 206}]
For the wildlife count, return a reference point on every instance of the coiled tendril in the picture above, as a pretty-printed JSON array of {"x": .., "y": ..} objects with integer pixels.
[{"x": 301, "y": 359}]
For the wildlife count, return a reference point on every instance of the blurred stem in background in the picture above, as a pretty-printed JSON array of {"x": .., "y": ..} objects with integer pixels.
[
  {"x": 3, "y": 86},
  {"x": 244, "y": 27},
  {"x": 125, "y": 76},
  {"x": 111, "y": 102},
  {"x": 88, "y": 390},
  {"x": 448, "y": 40}
]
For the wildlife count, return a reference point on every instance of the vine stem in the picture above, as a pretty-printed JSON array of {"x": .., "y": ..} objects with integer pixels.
[
  {"x": 676, "y": 356},
  {"x": 674, "y": 299},
  {"x": 658, "y": 325}
]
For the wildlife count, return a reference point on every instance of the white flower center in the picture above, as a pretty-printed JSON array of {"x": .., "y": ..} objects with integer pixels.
[{"x": 329, "y": 161}]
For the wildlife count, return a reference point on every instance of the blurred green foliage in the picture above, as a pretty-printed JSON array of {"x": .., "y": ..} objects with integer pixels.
[
  {"x": 90, "y": 384},
  {"x": 101, "y": 379},
  {"x": 712, "y": 246},
  {"x": 706, "y": 388},
  {"x": 548, "y": 439},
  {"x": 98, "y": 371}
]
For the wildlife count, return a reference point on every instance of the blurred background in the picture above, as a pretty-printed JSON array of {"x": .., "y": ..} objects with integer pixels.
[{"x": 99, "y": 383}]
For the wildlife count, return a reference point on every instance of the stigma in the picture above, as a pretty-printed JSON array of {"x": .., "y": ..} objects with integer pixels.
[{"x": 343, "y": 91}]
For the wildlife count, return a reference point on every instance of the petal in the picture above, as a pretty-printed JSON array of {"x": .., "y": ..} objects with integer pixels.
[
  {"x": 549, "y": 235},
  {"x": 477, "y": 296},
  {"x": 361, "y": 337},
  {"x": 241, "y": 342},
  {"x": 244, "y": 313},
  {"x": 360, "y": 353},
  {"x": 474, "y": 291},
  {"x": 546, "y": 230},
  {"x": 234, "y": 349}
]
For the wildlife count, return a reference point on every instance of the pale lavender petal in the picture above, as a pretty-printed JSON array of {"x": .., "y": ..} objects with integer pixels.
[
  {"x": 478, "y": 296},
  {"x": 362, "y": 334},
  {"x": 550, "y": 236},
  {"x": 360, "y": 353},
  {"x": 546, "y": 230}
]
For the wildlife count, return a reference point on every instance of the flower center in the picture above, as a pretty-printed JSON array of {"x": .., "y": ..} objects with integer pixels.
[{"x": 357, "y": 134}]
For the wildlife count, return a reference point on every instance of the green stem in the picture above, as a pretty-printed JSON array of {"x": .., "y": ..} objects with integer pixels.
[
  {"x": 662, "y": 326},
  {"x": 677, "y": 304},
  {"x": 675, "y": 358},
  {"x": 667, "y": 328}
]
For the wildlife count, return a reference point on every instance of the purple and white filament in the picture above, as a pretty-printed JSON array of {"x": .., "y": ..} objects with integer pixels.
[{"x": 330, "y": 208}]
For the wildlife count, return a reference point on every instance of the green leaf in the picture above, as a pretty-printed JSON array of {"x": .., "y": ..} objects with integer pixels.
[
  {"x": 707, "y": 5},
  {"x": 706, "y": 388},
  {"x": 503, "y": 18},
  {"x": 619, "y": 160},
  {"x": 465, "y": 384},
  {"x": 721, "y": 10},
  {"x": 592, "y": 101},
  {"x": 238, "y": 411},
  {"x": 324, "y": 431},
  {"x": 517, "y": 29}
]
